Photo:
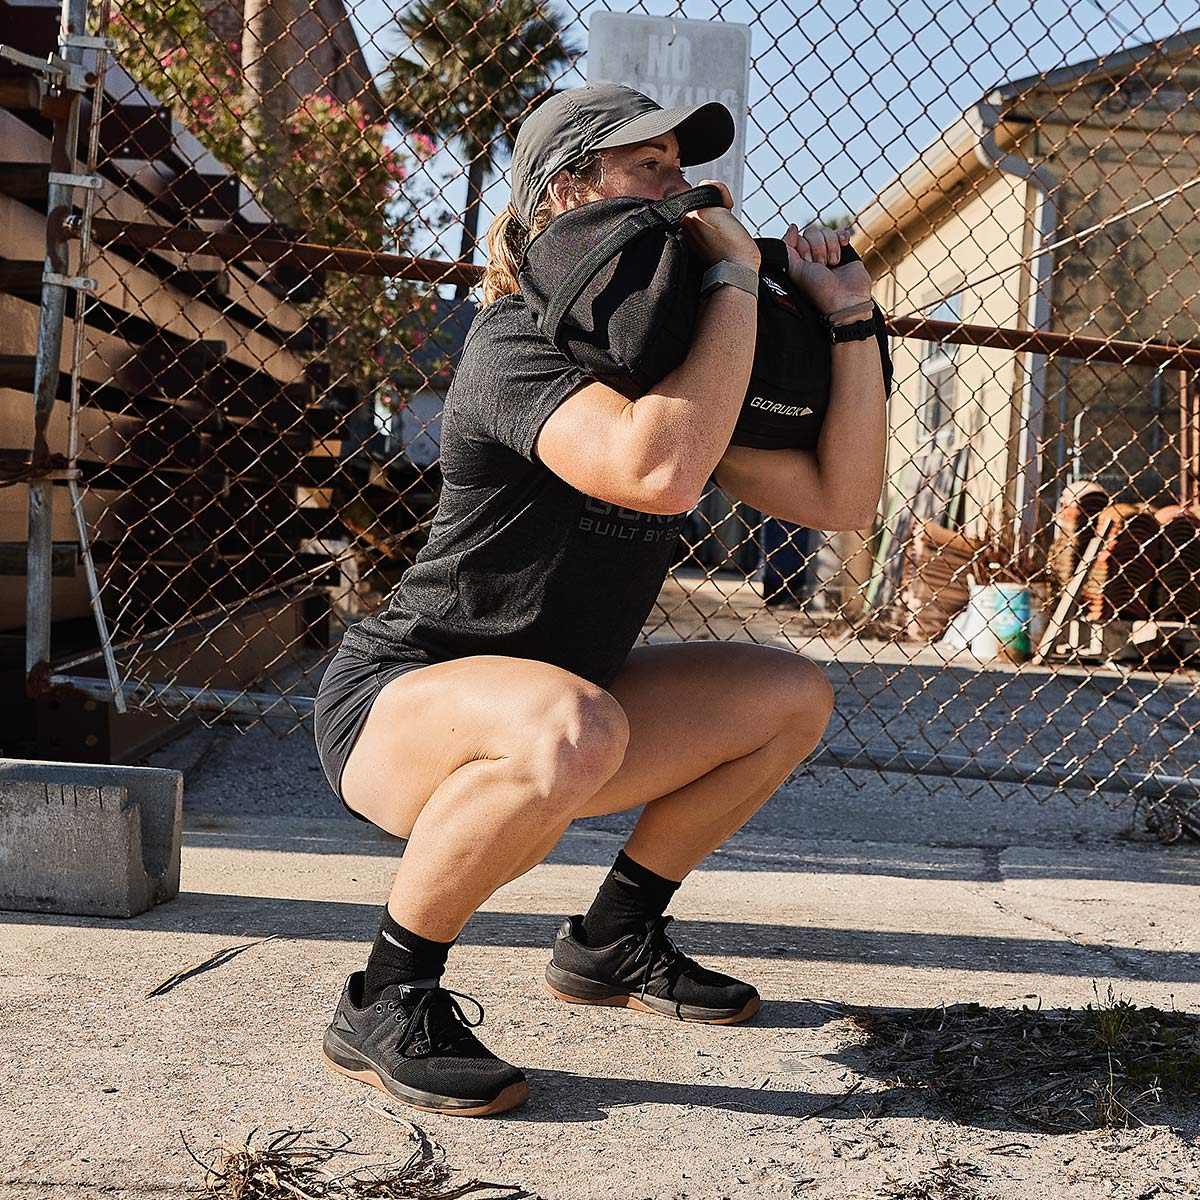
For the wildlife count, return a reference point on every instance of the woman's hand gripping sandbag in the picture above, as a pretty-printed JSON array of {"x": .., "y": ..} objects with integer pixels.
[
  {"x": 833, "y": 479},
  {"x": 819, "y": 269},
  {"x": 715, "y": 235}
]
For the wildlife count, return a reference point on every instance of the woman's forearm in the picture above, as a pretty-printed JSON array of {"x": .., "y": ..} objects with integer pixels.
[
  {"x": 681, "y": 427},
  {"x": 844, "y": 477},
  {"x": 837, "y": 485},
  {"x": 853, "y": 440}
]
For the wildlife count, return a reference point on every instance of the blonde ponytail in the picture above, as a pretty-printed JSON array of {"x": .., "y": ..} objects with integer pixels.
[{"x": 506, "y": 242}]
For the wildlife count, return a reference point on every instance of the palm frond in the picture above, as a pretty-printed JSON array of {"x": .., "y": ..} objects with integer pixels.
[{"x": 473, "y": 68}]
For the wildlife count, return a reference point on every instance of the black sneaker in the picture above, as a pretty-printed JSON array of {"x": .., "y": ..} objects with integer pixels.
[
  {"x": 646, "y": 971},
  {"x": 416, "y": 1044}
]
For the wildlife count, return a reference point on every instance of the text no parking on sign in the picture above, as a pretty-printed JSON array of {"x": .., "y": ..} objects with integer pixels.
[{"x": 677, "y": 63}]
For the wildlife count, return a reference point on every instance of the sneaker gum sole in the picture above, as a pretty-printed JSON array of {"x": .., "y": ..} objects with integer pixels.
[
  {"x": 675, "y": 1012},
  {"x": 513, "y": 1095}
]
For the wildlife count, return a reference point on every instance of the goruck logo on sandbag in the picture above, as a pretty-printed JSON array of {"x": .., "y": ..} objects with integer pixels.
[{"x": 782, "y": 410}]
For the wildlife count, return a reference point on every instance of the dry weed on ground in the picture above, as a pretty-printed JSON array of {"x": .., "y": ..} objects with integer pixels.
[
  {"x": 1109, "y": 1065},
  {"x": 951, "y": 1179},
  {"x": 284, "y": 1166}
]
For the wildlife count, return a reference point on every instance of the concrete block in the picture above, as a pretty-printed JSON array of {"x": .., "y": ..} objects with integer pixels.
[{"x": 88, "y": 839}]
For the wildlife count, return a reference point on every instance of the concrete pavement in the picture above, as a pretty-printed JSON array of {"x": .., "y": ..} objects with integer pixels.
[{"x": 846, "y": 889}]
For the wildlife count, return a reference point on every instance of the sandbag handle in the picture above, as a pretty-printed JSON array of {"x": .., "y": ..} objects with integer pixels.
[
  {"x": 775, "y": 256},
  {"x": 652, "y": 216}
]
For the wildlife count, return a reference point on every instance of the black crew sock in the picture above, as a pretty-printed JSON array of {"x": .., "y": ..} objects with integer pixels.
[
  {"x": 401, "y": 956},
  {"x": 630, "y": 897}
]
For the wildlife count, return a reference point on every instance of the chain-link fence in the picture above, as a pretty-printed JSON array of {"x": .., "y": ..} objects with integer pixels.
[{"x": 276, "y": 208}]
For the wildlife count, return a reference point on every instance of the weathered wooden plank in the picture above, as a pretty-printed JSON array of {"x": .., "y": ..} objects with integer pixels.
[
  {"x": 27, "y": 182},
  {"x": 22, "y": 93},
  {"x": 16, "y": 371},
  {"x": 21, "y": 277}
]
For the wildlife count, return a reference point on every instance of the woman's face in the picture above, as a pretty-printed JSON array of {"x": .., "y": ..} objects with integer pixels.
[{"x": 649, "y": 170}]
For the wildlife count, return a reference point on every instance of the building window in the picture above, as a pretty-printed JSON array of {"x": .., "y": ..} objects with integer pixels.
[{"x": 937, "y": 367}]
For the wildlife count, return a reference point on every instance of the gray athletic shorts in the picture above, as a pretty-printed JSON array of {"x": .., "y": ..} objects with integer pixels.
[{"x": 348, "y": 688}]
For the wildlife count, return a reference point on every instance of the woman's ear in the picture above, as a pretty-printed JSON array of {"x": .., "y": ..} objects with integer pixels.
[{"x": 561, "y": 190}]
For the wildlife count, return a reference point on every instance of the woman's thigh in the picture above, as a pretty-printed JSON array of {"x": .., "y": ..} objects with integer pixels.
[
  {"x": 693, "y": 706},
  {"x": 427, "y": 723}
]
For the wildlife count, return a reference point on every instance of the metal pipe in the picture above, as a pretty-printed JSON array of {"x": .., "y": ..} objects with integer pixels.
[
  {"x": 312, "y": 256},
  {"x": 1189, "y": 439},
  {"x": 1048, "y": 774},
  {"x": 1063, "y": 367},
  {"x": 1185, "y": 447},
  {"x": 51, "y": 316},
  {"x": 238, "y": 247},
  {"x": 1041, "y": 222},
  {"x": 1039, "y": 341},
  {"x": 77, "y": 355},
  {"x": 172, "y": 695}
]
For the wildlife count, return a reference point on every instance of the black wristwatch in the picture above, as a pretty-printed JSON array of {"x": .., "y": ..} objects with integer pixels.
[{"x": 855, "y": 331}]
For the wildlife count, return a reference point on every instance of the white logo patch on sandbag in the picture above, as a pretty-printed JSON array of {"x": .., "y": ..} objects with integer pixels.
[{"x": 781, "y": 410}]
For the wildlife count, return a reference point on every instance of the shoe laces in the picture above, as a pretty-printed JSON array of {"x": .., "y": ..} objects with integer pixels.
[
  {"x": 439, "y": 1002},
  {"x": 661, "y": 953}
]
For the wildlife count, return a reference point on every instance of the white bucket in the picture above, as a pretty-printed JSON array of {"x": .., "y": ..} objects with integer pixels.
[{"x": 984, "y": 629}]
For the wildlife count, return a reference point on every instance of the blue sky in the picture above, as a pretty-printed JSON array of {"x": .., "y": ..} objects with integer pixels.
[{"x": 843, "y": 95}]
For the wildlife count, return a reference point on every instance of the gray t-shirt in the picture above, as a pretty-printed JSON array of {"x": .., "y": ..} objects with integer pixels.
[{"x": 518, "y": 562}]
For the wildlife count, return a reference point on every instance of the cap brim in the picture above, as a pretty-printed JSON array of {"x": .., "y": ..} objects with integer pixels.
[{"x": 704, "y": 131}]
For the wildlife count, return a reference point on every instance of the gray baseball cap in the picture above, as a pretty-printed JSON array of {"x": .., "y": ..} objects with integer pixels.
[{"x": 573, "y": 123}]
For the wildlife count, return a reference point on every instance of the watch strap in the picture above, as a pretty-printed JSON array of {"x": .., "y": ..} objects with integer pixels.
[
  {"x": 737, "y": 275},
  {"x": 852, "y": 331}
]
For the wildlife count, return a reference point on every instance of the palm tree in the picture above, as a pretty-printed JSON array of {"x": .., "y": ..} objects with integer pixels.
[{"x": 472, "y": 71}]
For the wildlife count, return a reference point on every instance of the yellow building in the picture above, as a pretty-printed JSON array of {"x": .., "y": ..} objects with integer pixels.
[{"x": 965, "y": 233}]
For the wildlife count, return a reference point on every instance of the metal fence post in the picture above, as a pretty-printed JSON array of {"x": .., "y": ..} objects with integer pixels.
[{"x": 51, "y": 316}]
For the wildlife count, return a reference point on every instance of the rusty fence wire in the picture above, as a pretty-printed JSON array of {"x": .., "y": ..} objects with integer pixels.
[{"x": 265, "y": 220}]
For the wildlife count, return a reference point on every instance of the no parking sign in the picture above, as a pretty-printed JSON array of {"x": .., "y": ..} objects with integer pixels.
[{"x": 677, "y": 63}]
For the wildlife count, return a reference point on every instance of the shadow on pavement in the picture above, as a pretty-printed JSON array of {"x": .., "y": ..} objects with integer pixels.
[
  {"x": 595, "y": 845},
  {"x": 261, "y": 916},
  {"x": 561, "y": 1097},
  {"x": 1110, "y": 1065}
]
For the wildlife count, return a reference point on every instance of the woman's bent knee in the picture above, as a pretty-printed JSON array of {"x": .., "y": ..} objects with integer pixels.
[
  {"x": 808, "y": 702},
  {"x": 823, "y": 699},
  {"x": 572, "y": 745}
]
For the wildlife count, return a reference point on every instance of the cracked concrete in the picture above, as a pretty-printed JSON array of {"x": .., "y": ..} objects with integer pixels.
[{"x": 847, "y": 888}]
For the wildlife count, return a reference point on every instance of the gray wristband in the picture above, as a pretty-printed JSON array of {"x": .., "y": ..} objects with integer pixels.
[{"x": 737, "y": 275}]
